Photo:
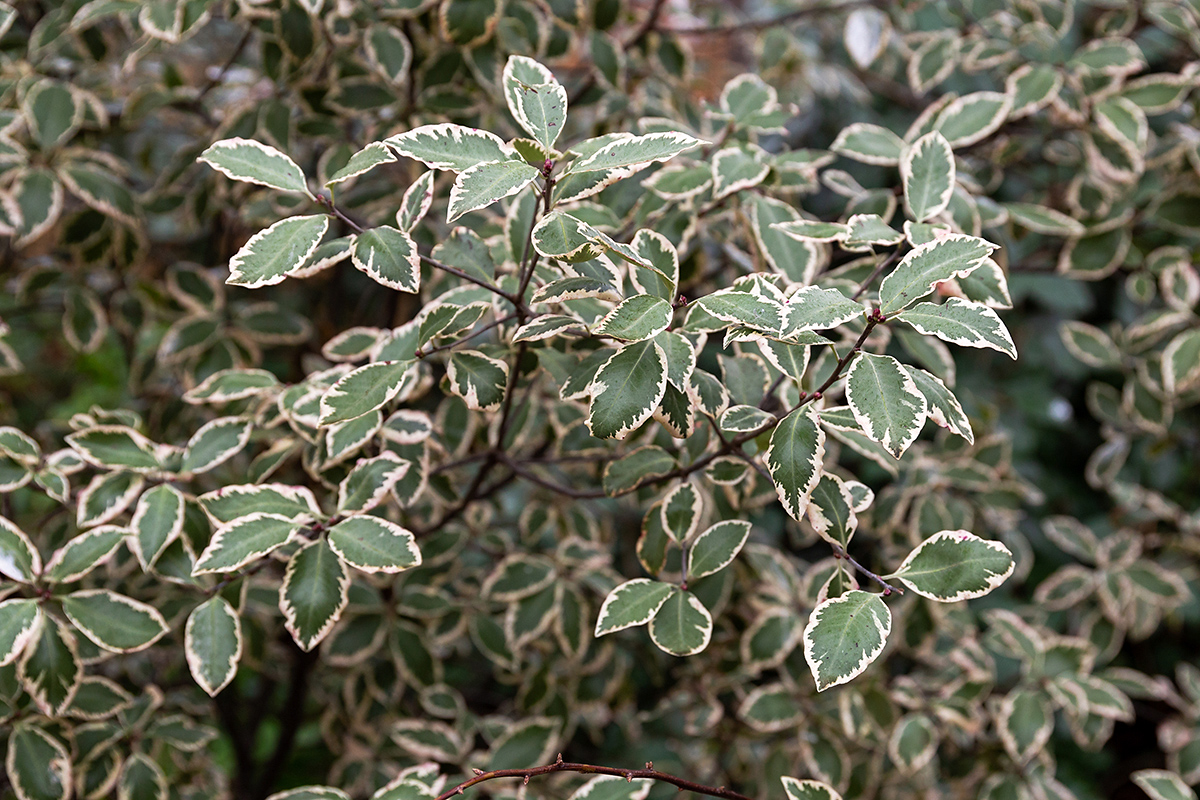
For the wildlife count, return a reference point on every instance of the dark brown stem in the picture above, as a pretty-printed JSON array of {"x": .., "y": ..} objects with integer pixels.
[
  {"x": 589, "y": 769},
  {"x": 883, "y": 264},
  {"x": 557, "y": 488},
  {"x": 761, "y": 24},
  {"x": 494, "y": 324},
  {"x": 888, "y": 588},
  {"x": 220, "y": 76},
  {"x": 290, "y": 718},
  {"x": 328, "y": 205}
]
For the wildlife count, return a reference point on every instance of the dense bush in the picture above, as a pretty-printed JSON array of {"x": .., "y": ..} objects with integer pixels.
[{"x": 402, "y": 388}]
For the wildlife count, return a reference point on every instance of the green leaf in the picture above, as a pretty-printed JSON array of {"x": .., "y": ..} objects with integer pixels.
[
  {"x": 716, "y": 548},
  {"x": 1024, "y": 723},
  {"x": 680, "y": 512},
  {"x": 927, "y": 171},
  {"x": 142, "y": 778},
  {"x": 1181, "y": 362},
  {"x": 483, "y": 184},
  {"x": 215, "y": 443},
  {"x": 369, "y": 482},
  {"x": 1160, "y": 784},
  {"x": 314, "y": 593},
  {"x": 254, "y": 162},
  {"x": 961, "y": 322},
  {"x": 1109, "y": 56},
  {"x": 737, "y": 168},
  {"x": 106, "y": 496},
  {"x": 635, "y": 152},
  {"x": 231, "y": 502},
  {"x": 272, "y": 253},
  {"x": 19, "y": 559},
  {"x": 114, "y": 621},
  {"x": 808, "y": 790},
  {"x": 19, "y": 623},
  {"x": 38, "y": 765},
  {"x": 371, "y": 544},
  {"x": 682, "y": 626},
  {"x": 794, "y": 458},
  {"x": 520, "y": 75},
  {"x": 361, "y": 162},
  {"x": 632, "y": 603},
  {"x": 870, "y": 144},
  {"x": 212, "y": 641},
  {"x": 796, "y": 258},
  {"x": 627, "y": 389},
  {"x": 885, "y": 401},
  {"x": 479, "y": 380},
  {"x": 102, "y": 191},
  {"x": 364, "y": 390},
  {"x": 52, "y": 113},
  {"x": 636, "y": 318},
  {"x": 613, "y": 787},
  {"x": 418, "y": 197},
  {"x": 814, "y": 230},
  {"x": 310, "y": 793},
  {"x": 84, "y": 553},
  {"x": 245, "y": 539},
  {"x": 927, "y": 265},
  {"x": 844, "y": 635},
  {"x": 973, "y": 117},
  {"x": 544, "y": 327},
  {"x": 913, "y": 743},
  {"x": 1041, "y": 219},
  {"x": 663, "y": 279},
  {"x": 389, "y": 256},
  {"x": 115, "y": 446},
  {"x": 1089, "y": 344},
  {"x": 388, "y": 52},
  {"x": 747, "y": 96},
  {"x": 39, "y": 197},
  {"x": 449, "y": 146},
  {"x": 541, "y": 110},
  {"x": 814, "y": 308},
  {"x": 50, "y": 668},
  {"x": 831, "y": 510},
  {"x": 562, "y": 236},
  {"x": 955, "y": 565},
  {"x": 518, "y": 576},
  {"x": 157, "y": 521},
  {"x": 227, "y": 385},
  {"x": 630, "y": 470},
  {"x": 527, "y": 743},
  {"x": 1032, "y": 86},
  {"x": 771, "y": 708},
  {"x": 941, "y": 405},
  {"x": 743, "y": 308},
  {"x": 867, "y": 231},
  {"x": 744, "y": 419}
]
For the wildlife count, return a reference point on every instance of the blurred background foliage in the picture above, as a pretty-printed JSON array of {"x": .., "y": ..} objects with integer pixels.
[{"x": 1087, "y": 454}]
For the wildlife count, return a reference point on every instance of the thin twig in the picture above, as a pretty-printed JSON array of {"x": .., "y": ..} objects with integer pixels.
[
  {"x": 327, "y": 203},
  {"x": 635, "y": 38},
  {"x": 883, "y": 264},
  {"x": 840, "y": 552},
  {"x": 558, "y": 488},
  {"x": 761, "y": 24},
  {"x": 220, "y": 75},
  {"x": 494, "y": 324},
  {"x": 590, "y": 769}
]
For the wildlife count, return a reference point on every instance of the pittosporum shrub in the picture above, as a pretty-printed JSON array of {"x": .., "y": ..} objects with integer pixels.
[{"x": 399, "y": 394}]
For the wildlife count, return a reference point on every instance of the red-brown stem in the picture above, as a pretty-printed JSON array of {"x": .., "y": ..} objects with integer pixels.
[{"x": 590, "y": 769}]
